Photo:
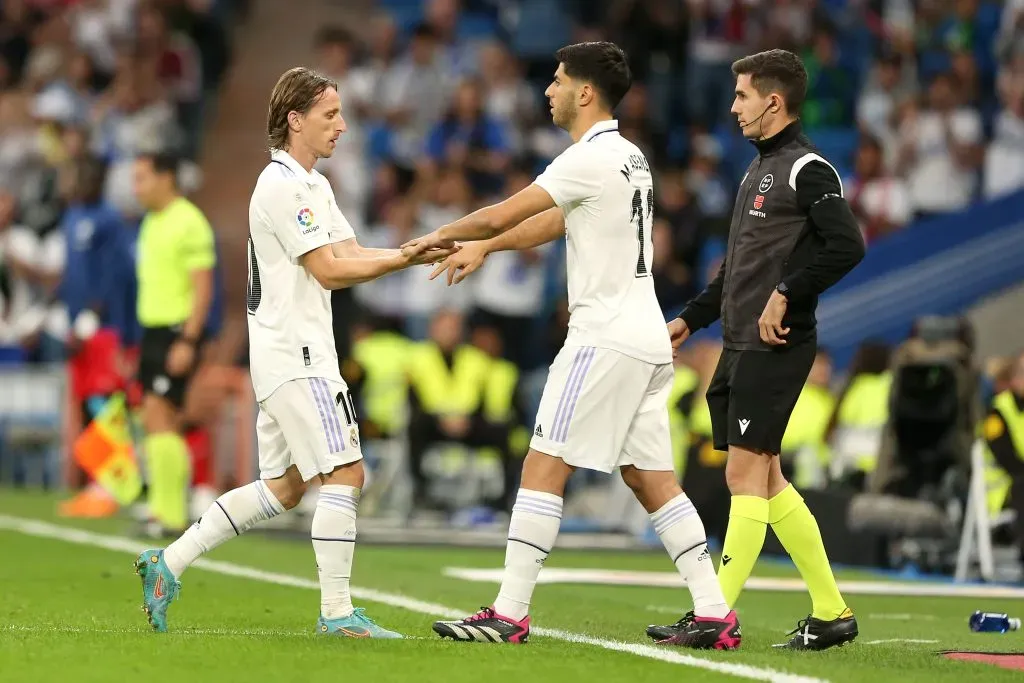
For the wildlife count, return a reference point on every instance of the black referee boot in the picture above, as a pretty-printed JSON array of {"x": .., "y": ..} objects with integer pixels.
[{"x": 817, "y": 634}]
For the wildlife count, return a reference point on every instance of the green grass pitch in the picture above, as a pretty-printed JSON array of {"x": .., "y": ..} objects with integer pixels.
[{"x": 70, "y": 611}]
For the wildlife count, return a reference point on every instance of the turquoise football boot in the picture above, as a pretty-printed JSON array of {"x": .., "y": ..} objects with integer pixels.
[
  {"x": 159, "y": 587},
  {"x": 355, "y": 625}
]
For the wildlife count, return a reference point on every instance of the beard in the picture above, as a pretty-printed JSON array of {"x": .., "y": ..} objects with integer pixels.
[{"x": 564, "y": 115}]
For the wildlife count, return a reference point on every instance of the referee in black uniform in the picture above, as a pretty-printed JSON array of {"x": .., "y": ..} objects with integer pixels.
[{"x": 792, "y": 237}]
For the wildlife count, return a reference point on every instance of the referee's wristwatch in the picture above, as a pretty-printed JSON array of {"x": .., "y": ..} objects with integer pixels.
[{"x": 782, "y": 289}]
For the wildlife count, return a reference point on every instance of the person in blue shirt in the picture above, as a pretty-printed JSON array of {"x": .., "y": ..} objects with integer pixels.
[
  {"x": 99, "y": 277},
  {"x": 467, "y": 137}
]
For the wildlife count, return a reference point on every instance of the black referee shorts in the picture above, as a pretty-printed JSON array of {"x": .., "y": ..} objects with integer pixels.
[
  {"x": 752, "y": 395},
  {"x": 153, "y": 376}
]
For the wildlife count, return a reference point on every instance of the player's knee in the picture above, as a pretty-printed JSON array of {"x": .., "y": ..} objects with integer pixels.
[
  {"x": 634, "y": 479},
  {"x": 651, "y": 488},
  {"x": 543, "y": 472},
  {"x": 290, "y": 494},
  {"x": 352, "y": 474},
  {"x": 288, "y": 488}
]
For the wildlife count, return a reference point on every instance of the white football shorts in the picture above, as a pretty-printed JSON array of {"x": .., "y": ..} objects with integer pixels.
[
  {"x": 602, "y": 409},
  {"x": 309, "y": 423}
]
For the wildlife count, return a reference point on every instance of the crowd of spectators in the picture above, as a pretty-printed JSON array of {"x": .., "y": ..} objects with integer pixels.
[
  {"x": 918, "y": 103},
  {"x": 85, "y": 81}
]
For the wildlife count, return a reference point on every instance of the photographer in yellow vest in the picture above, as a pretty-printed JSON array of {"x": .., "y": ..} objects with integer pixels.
[
  {"x": 1003, "y": 430},
  {"x": 461, "y": 393}
]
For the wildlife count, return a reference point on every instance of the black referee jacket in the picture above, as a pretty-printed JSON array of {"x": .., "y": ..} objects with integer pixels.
[{"x": 791, "y": 229}]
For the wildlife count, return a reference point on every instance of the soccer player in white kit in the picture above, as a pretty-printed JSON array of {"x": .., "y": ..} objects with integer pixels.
[
  {"x": 300, "y": 247},
  {"x": 605, "y": 402}
]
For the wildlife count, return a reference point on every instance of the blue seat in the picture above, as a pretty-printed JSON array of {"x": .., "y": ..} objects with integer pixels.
[
  {"x": 838, "y": 145},
  {"x": 477, "y": 26},
  {"x": 12, "y": 355}
]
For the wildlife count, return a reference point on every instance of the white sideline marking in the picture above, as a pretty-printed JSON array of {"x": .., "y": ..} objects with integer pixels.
[
  {"x": 904, "y": 617},
  {"x": 674, "y": 580},
  {"x": 40, "y": 529},
  {"x": 13, "y": 628},
  {"x": 900, "y": 640}
]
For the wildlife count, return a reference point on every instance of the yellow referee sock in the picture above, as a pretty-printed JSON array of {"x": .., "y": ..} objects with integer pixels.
[
  {"x": 798, "y": 532},
  {"x": 169, "y": 469},
  {"x": 748, "y": 523}
]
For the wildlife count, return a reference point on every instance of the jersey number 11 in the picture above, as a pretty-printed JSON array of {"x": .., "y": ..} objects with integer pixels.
[{"x": 638, "y": 214}]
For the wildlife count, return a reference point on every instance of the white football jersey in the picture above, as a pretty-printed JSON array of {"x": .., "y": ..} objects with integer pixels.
[
  {"x": 604, "y": 187},
  {"x": 291, "y": 212}
]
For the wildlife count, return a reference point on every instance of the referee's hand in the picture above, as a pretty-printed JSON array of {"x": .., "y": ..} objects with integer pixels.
[{"x": 770, "y": 322}]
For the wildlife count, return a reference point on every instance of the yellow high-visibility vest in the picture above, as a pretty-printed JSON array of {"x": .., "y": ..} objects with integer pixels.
[
  {"x": 685, "y": 381},
  {"x": 997, "y": 481},
  {"x": 444, "y": 391},
  {"x": 862, "y": 416},
  {"x": 383, "y": 357}
]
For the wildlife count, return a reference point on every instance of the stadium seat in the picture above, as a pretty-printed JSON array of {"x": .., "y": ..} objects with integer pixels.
[
  {"x": 836, "y": 144},
  {"x": 477, "y": 26}
]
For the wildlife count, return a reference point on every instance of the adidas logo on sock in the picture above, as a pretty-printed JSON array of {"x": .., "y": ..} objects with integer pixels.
[
  {"x": 538, "y": 431},
  {"x": 726, "y": 559}
]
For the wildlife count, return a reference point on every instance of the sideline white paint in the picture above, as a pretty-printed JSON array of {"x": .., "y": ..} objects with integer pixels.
[
  {"x": 673, "y": 580},
  {"x": 122, "y": 544}
]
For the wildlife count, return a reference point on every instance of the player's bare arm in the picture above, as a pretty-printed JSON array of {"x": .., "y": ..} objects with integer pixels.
[
  {"x": 351, "y": 248},
  {"x": 545, "y": 227},
  {"x": 487, "y": 222},
  {"x": 338, "y": 273}
]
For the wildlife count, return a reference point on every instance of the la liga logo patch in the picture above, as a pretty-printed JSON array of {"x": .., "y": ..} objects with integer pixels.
[{"x": 305, "y": 217}]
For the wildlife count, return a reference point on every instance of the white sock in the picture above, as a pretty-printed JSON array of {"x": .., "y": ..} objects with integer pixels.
[
  {"x": 536, "y": 517},
  {"x": 334, "y": 542},
  {"x": 233, "y": 513},
  {"x": 679, "y": 527}
]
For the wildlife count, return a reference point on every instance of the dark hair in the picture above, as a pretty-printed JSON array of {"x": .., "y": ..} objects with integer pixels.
[
  {"x": 298, "y": 90},
  {"x": 423, "y": 30},
  {"x": 604, "y": 65},
  {"x": 89, "y": 174},
  {"x": 776, "y": 70},
  {"x": 163, "y": 163}
]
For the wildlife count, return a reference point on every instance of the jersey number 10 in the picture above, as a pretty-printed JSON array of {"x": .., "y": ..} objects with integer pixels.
[{"x": 637, "y": 214}]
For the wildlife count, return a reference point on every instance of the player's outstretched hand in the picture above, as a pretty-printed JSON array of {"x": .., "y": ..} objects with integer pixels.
[
  {"x": 471, "y": 256},
  {"x": 428, "y": 256},
  {"x": 770, "y": 322},
  {"x": 429, "y": 241},
  {"x": 678, "y": 332}
]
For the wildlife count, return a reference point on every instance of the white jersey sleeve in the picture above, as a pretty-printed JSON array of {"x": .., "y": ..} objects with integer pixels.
[
  {"x": 293, "y": 220},
  {"x": 572, "y": 177}
]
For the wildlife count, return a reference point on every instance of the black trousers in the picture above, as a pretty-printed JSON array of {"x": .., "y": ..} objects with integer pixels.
[{"x": 425, "y": 431}]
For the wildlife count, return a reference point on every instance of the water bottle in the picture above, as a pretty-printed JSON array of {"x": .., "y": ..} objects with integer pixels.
[{"x": 991, "y": 622}]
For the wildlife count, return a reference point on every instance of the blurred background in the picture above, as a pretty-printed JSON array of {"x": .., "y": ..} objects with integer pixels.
[{"x": 918, "y": 103}]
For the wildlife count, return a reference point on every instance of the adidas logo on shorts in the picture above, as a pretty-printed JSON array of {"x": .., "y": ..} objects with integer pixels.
[{"x": 538, "y": 431}]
